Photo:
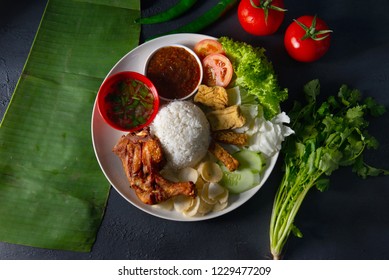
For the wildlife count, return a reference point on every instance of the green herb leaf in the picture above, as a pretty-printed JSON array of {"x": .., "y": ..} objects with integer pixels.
[{"x": 331, "y": 136}]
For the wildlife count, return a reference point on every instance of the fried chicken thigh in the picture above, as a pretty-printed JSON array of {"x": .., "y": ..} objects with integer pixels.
[{"x": 142, "y": 158}]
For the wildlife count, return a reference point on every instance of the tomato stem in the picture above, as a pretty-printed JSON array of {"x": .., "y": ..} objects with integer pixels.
[
  {"x": 265, "y": 6},
  {"x": 311, "y": 32}
]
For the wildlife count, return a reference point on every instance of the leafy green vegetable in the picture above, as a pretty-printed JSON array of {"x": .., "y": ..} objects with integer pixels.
[
  {"x": 255, "y": 74},
  {"x": 326, "y": 137}
]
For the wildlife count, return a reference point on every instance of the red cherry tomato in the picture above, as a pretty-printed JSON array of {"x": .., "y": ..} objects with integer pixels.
[
  {"x": 252, "y": 16},
  {"x": 307, "y": 39},
  {"x": 206, "y": 47},
  {"x": 217, "y": 70}
]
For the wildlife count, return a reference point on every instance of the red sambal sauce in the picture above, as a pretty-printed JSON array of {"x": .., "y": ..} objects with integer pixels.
[
  {"x": 174, "y": 72},
  {"x": 129, "y": 104}
]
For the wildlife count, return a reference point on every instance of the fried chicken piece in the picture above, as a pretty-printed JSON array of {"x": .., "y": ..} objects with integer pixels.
[
  {"x": 228, "y": 118},
  {"x": 225, "y": 157},
  {"x": 230, "y": 137},
  {"x": 142, "y": 159},
  {"x": 161, "y": 189},
  {"x": 214, "y": 97}
]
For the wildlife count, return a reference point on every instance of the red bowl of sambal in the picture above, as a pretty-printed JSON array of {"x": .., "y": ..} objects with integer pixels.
[
  {"x": 175, "y": 70},
  {"x": 128, "y": 101}
]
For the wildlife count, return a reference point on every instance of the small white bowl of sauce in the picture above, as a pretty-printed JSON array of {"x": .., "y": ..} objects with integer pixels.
[{"x": 176, "y": 71}]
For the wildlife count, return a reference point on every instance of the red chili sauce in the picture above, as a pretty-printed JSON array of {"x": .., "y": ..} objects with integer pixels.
[
  {"x": 129, "y": 104},
  {"x": 174, "y": 72}
]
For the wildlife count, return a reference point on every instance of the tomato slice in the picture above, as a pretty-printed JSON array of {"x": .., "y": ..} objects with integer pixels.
[
  {"x": 217, "y": 70},
  {"x": 206, "y": 47}
]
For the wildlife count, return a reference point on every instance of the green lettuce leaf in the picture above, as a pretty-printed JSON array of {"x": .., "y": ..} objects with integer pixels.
[{"x": 255, "y": 73}]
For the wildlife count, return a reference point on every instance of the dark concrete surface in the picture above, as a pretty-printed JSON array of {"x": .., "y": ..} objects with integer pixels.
[{"x": 349, "y": 221}]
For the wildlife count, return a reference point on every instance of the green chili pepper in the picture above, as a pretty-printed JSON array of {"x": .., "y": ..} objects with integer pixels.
[
  {"x": 205, "y": 19},
  {"x": 175, "y": 11}
]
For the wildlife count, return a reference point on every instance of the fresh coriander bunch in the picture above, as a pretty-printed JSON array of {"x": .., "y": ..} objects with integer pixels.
[{"x": 327, "y": 136}]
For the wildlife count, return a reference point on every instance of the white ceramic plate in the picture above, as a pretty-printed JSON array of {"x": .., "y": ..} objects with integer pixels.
[{"x": 104, "y": 137}]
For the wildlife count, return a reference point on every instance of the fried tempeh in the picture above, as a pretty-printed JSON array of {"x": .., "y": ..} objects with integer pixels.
[
  {"x": 228, "y": 118},
  {"x": 214, "y": 97},
  {"x": 230, "y": 137},
  {"x": 225, "y": 157}
]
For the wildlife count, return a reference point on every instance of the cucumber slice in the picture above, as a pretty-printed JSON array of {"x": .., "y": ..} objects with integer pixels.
[
  {"x": 247, "y": 176},
  {"x": 250, "y": 160},
  {"x": 240, "y": 180}
]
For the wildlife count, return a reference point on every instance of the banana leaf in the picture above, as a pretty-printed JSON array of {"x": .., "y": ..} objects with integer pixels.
[{"x": 52, "y": 191}]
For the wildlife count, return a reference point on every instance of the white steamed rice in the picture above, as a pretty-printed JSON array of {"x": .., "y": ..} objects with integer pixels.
[{"x": 184, "y": 132}]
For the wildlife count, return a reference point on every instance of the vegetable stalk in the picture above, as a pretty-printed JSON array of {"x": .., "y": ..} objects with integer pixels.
[{"x": 326, "y": 138}]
